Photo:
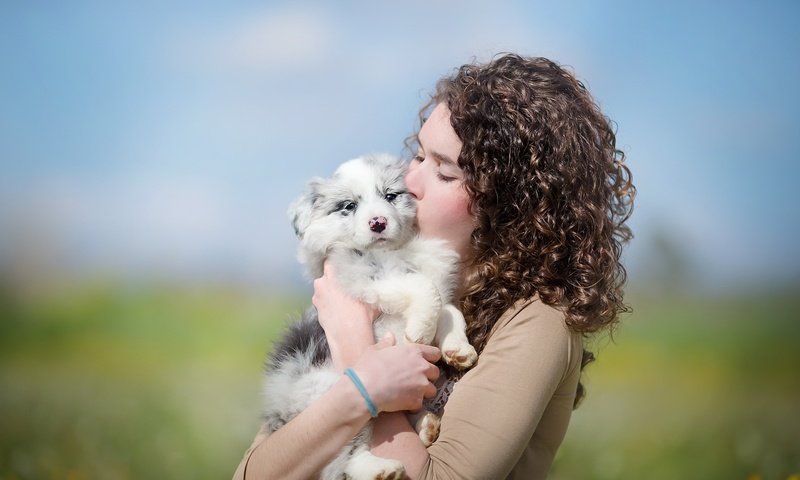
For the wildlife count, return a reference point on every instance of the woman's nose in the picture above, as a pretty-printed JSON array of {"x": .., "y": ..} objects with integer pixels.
[{"x": 412, "y": 182}]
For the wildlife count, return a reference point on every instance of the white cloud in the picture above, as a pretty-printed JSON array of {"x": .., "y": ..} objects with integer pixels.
[
  {"x": 159, "y": 226},
  {"x": 287, "y": 39}
]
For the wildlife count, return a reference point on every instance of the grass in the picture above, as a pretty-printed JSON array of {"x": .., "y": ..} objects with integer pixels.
[
  {"x": 692, "y": 388},
  {"x": 132, "y": 384},
  {"x": 122, "y": 382}
]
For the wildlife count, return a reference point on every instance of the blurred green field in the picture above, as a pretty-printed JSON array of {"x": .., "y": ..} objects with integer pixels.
[{"x": 140, "y": 382}]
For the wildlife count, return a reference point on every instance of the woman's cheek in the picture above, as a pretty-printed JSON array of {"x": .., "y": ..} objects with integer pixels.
[
  {"x": 446, "y": 216},
  {"x": 458, "y": 206}
]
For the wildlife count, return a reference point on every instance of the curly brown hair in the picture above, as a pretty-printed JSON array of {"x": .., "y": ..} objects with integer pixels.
[{"x": 548, "y": 188}]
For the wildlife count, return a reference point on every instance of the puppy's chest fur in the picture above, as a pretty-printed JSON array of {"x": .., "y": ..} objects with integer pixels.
[
  {"x": 378, "y": 264},
  {"x": 418, "y": 258}
]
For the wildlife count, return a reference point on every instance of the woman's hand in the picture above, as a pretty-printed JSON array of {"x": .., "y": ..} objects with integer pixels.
[
  {"x": 398, "y": 377},
  {"x": 347, "y": 322},
  {"x": 338, "y": 311}
]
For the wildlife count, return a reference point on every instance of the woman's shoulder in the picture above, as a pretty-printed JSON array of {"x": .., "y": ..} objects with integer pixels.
[
  {"x": 533, "y": 313},
  {"x": 538, "y": 328}
]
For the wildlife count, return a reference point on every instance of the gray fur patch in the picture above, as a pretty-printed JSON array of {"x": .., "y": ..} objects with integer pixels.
[{"x": 304, "y": 338}]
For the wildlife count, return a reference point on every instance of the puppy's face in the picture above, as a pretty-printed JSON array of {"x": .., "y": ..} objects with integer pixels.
[{"x": 364, "y": 205}]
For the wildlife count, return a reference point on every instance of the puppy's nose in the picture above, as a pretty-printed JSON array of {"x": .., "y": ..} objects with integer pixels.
[{"x": 377, "y": 224}]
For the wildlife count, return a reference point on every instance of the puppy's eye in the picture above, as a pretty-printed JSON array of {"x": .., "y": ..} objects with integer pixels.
[
  {"x": 390, "y": 197},
  {"x": 345, "y": 207}
]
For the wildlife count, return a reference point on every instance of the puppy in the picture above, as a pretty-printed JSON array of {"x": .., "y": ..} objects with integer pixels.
[{"x": 362, "y": 221}]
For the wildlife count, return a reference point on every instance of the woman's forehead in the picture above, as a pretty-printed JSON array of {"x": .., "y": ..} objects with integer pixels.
[{"x": 438, "y": 137}]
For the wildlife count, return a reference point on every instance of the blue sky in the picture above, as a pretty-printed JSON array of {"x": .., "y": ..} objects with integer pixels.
[{"x": 146, "y": 139}]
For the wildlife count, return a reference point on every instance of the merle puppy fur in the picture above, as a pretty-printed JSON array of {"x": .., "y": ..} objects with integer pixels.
[{"x": 361, "y": 220}]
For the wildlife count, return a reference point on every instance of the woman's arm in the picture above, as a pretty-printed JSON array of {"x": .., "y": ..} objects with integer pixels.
[
  {"x": 394, "y": 437},
  {"x": 497, "y": 406},
  {"x": 396, "y": 377},
  {"x": 400, "y": 377},
  {"x": 348, "y": 328},
  {"x": 302, "y": 447}
]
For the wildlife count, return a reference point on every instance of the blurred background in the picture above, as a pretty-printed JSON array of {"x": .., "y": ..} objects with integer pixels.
[{"x": 148, "y": 155}]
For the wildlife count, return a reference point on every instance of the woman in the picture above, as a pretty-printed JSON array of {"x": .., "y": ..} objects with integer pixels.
[{"x": 518, "y": 170}]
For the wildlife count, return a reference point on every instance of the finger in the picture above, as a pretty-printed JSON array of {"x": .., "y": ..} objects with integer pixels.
[
  {"x": 430, "y": 391},
  {"x": 429, "y": 353},
  {"x": 386, "y": 341},
  {"x": 432, "y": 372}
]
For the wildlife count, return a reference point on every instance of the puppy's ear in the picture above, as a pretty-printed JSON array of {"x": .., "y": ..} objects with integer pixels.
[{"x": 300, "y": 211}]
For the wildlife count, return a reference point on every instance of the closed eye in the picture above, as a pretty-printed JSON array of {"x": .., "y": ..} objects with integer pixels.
[{"x": 419, "y": 158}]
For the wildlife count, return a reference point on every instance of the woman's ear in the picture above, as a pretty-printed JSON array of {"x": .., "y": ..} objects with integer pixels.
[{"x": 301, "y": 210}]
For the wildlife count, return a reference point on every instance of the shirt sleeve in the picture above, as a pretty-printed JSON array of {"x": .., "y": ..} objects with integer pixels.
[
  {"x": 241, "y": 470},
  {"x": 494, "y": 409}
]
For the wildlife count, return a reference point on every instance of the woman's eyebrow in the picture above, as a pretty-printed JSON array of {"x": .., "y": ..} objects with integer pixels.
[{"x": 442, "y": 158}]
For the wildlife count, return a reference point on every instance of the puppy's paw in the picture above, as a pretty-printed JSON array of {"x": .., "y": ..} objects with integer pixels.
[
  {"x": 460, "y": 355},
  {"x": 389, "y": 470},
  {"x": 392, "y": 470},
  {"x": 370, "y": 467},
  {"x": 428, "y": 428},
  {"x": 420, "y": 333}
]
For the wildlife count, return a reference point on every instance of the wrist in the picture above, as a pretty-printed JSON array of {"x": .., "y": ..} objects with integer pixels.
[
  {"x": 353, "y": 376},
  {"x": 352, "y": 401},
  {"x": 346, "y": 352}
]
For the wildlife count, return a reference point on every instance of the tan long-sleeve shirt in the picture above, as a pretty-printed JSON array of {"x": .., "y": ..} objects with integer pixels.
[{"x": 508, "y": 415}]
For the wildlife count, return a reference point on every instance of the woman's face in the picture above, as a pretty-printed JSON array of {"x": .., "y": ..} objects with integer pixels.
[{"x": 435, "y": 180}]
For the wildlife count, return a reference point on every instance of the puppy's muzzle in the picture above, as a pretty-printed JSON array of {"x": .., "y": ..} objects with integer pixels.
[{"x": 377, "y": 224}]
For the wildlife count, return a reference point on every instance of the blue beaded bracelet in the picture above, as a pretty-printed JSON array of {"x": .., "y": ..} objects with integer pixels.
[{"x": 363, "y": 391}]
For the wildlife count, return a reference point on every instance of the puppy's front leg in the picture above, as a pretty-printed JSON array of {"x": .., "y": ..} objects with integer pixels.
[
  {"x": 415, "y": 298},
  {"x": 427, "y": 425},
  {"x": 451, "y": 337},
  {"x": 366, "y": 466},
  {"x": 423, "y": 309}
]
